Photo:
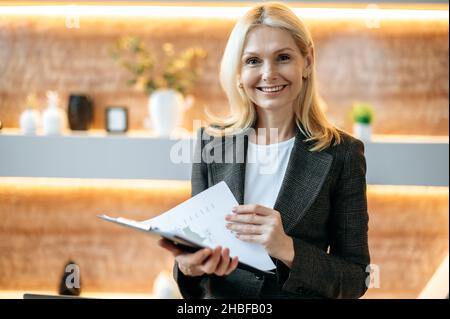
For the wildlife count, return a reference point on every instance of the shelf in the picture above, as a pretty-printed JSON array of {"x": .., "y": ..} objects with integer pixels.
[
  {"x": 391, "y": 160},
  {"x": 396, "y": 160},
  {"x": 136, "y": 155}
]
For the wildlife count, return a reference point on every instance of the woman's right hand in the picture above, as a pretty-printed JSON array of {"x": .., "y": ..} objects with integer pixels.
[{"x": 203, "y": 261}]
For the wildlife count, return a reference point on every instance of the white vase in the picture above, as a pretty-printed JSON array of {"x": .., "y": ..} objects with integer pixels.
[
  {"x": 52, "y": 121},
  {"x": 29, "y": 121},
  {"x": 362, "y": 131},
  {"x": 166, "y": 109},
  {"x": 53, "y": 118}
]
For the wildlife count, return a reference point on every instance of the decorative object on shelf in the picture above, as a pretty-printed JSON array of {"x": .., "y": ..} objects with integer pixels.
[
  {"x": 169, "y": 86},
  {"x": 166, "y": 107},
  {"x": 362, "y": 115},
  {"x": 164, "y": 287},
  {"x": 116, "y": 119},
  {"x": 80, "y": 112},
  {"x": 54, "y": 118},
  {"x": 29, "y": 119}
]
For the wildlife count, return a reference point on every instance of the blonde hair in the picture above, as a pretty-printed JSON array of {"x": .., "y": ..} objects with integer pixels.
[{"x": 308, "y": 109}]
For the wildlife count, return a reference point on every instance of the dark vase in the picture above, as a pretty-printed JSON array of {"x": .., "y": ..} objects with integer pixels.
[{"x": 80, "y": 112}]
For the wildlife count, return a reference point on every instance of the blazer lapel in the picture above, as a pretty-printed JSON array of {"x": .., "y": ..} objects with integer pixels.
[
  {"x": 231, "y": 169},
  {"x": 303, "y": 180}
]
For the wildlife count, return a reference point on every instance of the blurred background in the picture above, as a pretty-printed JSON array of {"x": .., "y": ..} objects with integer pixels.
[{"x": 99, "y": 98}]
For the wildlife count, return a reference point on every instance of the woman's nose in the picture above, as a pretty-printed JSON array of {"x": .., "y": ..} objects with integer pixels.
[{"x": 269, "y": 73}]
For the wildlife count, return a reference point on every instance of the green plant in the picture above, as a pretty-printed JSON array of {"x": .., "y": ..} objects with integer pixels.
[
  {"x": 362, "y": 113},
  {"x": 177, "y": 72}
]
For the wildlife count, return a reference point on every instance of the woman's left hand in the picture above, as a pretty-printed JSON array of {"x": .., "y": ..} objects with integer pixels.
[{"x": 262, "y": 225}]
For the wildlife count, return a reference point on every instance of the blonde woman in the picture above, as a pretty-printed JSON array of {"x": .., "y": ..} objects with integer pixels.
[{"x": 307, "y": 205}]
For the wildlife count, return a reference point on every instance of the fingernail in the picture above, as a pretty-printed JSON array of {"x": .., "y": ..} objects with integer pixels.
[{"x": 234, "y": 209}]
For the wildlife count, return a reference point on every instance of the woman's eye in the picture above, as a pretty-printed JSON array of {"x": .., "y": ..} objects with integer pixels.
[
  {"x": 284, "y": 57},
  {"x": 251, "y": 61}
]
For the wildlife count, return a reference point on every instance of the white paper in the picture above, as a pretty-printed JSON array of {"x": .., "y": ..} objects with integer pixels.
[
  {"x": 202, "y": 220},
  {"x": 125, "y": 221}
]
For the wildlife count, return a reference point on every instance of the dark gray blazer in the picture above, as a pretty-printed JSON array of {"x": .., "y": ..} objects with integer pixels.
[{"x": 323, "y": 205}]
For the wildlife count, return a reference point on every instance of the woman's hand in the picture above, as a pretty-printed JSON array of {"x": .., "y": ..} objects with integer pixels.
[
  {"x": 262, "y": 225},
  {"x": 203, "y": 261}
]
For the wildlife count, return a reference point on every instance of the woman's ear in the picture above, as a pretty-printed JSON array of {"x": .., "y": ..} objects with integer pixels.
[
  {"x": 309, "y": 62},
  {"x": 239, "y": 83}
]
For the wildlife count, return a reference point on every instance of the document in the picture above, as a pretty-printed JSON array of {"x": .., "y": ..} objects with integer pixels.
[{"x": 200, "y": 222}]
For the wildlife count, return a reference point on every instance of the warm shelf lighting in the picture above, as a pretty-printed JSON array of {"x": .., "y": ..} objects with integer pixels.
[{"x": 225, "y": 12}]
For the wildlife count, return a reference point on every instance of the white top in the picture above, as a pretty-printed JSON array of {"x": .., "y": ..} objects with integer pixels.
[{"x": 264, "y": 171}]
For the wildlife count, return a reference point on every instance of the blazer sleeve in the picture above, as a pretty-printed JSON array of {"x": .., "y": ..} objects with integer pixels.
[
  {"x": 190, "y": 287},
  {"x": 341, "y": 273}
]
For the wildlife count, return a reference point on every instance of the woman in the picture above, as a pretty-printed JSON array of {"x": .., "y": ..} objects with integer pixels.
[{"x": 310, "y": 210}]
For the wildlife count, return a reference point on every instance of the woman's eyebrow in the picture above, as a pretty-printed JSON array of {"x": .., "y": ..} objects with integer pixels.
[
  {"x": 279, "y": 50},
  {"x": 285, "y": 49}
]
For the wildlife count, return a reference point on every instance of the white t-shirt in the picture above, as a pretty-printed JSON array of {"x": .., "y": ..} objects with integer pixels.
[{"x": 264, "y": 171}]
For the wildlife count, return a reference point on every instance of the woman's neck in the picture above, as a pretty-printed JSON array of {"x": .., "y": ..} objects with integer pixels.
[{"x": 273, "y": 129}]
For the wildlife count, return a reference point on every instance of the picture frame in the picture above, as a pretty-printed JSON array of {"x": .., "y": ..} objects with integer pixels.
[{"x": 116, "y": 119}]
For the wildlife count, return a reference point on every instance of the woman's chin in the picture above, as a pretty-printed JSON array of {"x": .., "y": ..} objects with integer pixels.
[{"x": 270, "y": 105}]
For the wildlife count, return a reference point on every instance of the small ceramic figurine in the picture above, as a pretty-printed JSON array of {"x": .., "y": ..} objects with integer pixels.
[
  {"x": 53, "y": 119},
  {"x": 29, "y": 119}
]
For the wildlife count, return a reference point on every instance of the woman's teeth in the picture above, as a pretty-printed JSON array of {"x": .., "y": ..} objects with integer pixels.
[{"x": 272, "y": 89}]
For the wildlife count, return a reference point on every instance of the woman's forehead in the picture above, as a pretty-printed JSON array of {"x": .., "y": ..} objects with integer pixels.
[{"x": 268, "y": 39}]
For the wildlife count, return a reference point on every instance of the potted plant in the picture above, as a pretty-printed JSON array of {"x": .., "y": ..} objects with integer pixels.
[
  {"x": 362, "y": 116},
  {"x": 168, "y": 81}
]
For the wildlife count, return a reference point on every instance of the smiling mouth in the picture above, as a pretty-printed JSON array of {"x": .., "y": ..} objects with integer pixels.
[{"x": 272, "y": 89}]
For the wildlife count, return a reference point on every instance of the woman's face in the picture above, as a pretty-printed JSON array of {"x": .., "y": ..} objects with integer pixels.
[{"x": 272, "y": 68}]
